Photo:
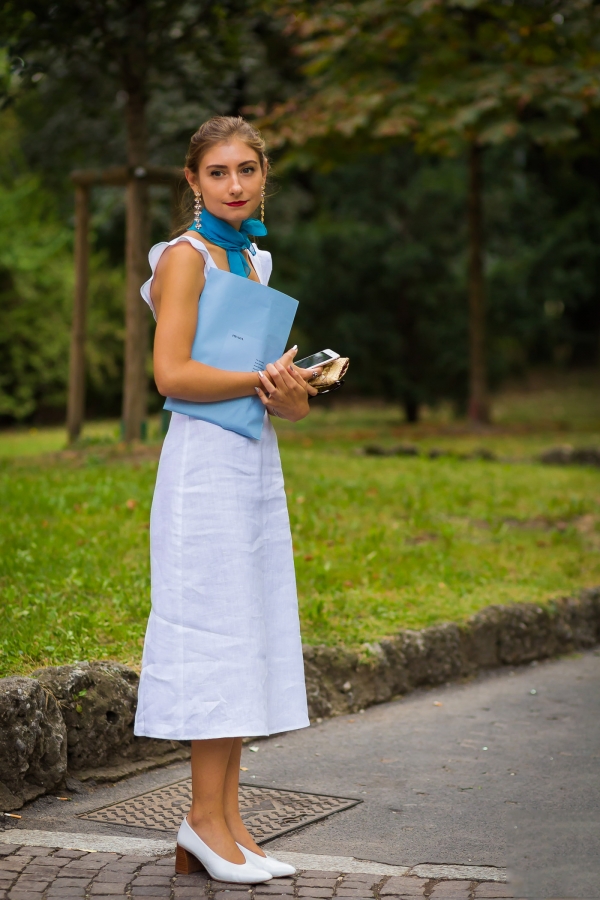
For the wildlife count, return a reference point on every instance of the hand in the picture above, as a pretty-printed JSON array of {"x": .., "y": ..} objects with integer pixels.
[
  {"x": 284, "y": 389},
  {"x": 307, "y": 374}
]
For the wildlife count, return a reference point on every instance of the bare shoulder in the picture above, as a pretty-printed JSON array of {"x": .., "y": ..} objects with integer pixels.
[
  {"x": 183, "y": 254},
  {"x": 178, "y": 278},
  {"x": 181, "y": 264}
]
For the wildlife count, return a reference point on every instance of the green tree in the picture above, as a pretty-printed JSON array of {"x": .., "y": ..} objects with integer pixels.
[
  {"x": 452, "y": 76},
  {"x": 375, "y": 276},
  {"x": 63, "y": 114},
  {"x": 36, "y": 283},
  {"x": 133, "y": 45}
]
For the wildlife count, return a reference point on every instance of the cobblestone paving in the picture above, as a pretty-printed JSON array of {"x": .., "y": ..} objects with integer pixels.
[{"x": 41, "y": 873}]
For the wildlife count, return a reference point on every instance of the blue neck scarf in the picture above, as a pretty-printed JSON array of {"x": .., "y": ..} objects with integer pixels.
[{"x": 221, "y": 233}]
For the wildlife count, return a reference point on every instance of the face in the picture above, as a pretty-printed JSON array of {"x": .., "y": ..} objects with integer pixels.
[{"x": 230, "y": 180}]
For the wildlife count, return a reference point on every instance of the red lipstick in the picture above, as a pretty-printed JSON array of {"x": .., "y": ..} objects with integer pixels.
[{"x": 237, "y": 203}]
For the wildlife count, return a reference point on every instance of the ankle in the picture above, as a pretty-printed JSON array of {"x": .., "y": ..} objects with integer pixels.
[
  {"x": 234, "y": 820},
  {"x": 199, "y": 821}
]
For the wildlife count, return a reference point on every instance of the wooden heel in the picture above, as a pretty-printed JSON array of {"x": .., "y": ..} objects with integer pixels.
[{"x": 186, "y": 863}]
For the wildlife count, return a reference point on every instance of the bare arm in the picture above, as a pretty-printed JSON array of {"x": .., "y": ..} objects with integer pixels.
[
  {"x": 178, "y": 284},
  {"x": 178, "y": 287}
]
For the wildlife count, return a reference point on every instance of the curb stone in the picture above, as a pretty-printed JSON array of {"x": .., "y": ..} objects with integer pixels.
[
  {"x": 93, "y": 704},
  {"x": 33, "y": 742},
  {"x": 341, "y": 681},
  {"x": 98, "y": 702}
]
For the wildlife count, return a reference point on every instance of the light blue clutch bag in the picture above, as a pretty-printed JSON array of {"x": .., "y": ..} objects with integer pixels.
[{"x": 242, "y": 326}]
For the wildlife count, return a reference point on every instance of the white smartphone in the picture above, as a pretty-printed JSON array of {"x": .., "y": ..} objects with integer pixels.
[{"x": 317, "y": 359}]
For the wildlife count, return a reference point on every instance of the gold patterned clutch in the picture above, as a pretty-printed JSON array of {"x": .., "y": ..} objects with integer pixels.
[{"x": 332, "y": 376}]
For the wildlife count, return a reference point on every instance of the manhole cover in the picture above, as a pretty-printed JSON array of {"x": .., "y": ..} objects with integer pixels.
[{"x": 267, "y": 812}]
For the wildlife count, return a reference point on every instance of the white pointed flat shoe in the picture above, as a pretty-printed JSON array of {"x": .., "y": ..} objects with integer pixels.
[
  {"x": 193, "y": 854},
  {"x": 277, "y": 868}
]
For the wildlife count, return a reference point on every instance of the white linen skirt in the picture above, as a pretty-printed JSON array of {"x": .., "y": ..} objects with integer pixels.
[{"x": 222, "y": 655}]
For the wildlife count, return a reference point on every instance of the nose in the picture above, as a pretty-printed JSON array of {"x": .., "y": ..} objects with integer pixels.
[{"x": 235, "y": 186}]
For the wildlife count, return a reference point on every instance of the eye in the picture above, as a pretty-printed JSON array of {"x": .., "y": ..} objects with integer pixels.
[
  {"x": 248, "y": 170},
  {"x": 216, "y": 173}
]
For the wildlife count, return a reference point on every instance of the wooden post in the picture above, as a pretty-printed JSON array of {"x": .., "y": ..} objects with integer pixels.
[
  {"x": 76, "y": 401},
  {"x": 136, "y": 180},
  {"x": 135, "y": 387}
]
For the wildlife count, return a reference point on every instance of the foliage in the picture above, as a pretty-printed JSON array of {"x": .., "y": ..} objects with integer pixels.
[
  {"x": 92, "y": 85},
  {"x": 369, "y": 248},
  {"x": 374, "y": 249},
  {"x": 131, "y": 45},
  {"x": 448, "y": 76},
  {"x": 368, "y": 235},
  {"x": 441, "y": 73},
  {"x": 33, "y": 291},
  {"x": 380, "y": 543},
  {"x": 201, "y": 58},
  {"x": 36, "y": 292},
  {"x": 378, "y": 277}
]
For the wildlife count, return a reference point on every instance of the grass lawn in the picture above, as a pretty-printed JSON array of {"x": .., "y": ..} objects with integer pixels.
[{"x": 381, "y": 543}]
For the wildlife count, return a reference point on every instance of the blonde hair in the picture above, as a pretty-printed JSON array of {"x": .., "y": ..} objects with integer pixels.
[{"x": 217, "y": 130}]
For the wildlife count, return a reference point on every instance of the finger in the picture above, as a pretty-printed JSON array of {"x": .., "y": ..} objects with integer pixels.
[
  {"x": 311, "y": 391},
  {"x": 307, "y": 374},
  {"x": 262, "y": 396},
  {"x": 298, "y": 377},
  {"x": 274, "y": 371},
  {"x": 266, "y": 383},
  {"x": 285, "y": 375},
  {"x": 300, "y": 374},
  {"x": 289, "y": 355},
  {"x": 270, "y": 370}
]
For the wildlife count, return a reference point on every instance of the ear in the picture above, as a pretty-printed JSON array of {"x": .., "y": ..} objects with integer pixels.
[{"x": 192, "y": 179}]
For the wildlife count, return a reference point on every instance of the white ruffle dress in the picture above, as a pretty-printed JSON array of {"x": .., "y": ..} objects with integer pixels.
[{"x": 222, "y": 655}]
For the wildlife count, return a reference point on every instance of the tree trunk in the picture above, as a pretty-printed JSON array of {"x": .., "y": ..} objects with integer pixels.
[
  {"x": 478, "y": 410},
  {"x": 135, "y": 386},
  {"x": 411, "y": 358},
  {"x": 411, "y": 408},
  {"x": 76, "y": 401}
]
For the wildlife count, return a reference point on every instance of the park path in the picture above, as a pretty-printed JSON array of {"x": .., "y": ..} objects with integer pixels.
[
  {"x": 459, "y": 783},
  {"x": 505, "y": 772}
]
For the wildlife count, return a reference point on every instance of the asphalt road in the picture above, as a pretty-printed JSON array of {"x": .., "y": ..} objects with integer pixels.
[{"x": 503, "y": 770}]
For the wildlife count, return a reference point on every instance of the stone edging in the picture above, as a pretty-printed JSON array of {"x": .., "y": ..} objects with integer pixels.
[
  {"x": 342, "y": 681},
  {"x": 78, "y": 720}
]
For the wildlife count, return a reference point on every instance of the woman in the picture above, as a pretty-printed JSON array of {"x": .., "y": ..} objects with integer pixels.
[{"x": 222, "y": 656}]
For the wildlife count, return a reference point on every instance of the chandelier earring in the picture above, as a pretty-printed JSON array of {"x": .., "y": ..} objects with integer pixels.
[
  {"x": 198, "y": 210},
  {"x": 262, "y": 205}
]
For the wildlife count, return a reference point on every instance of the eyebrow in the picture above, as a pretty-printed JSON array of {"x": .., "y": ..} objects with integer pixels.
[{"x": 225, "y": 166}]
